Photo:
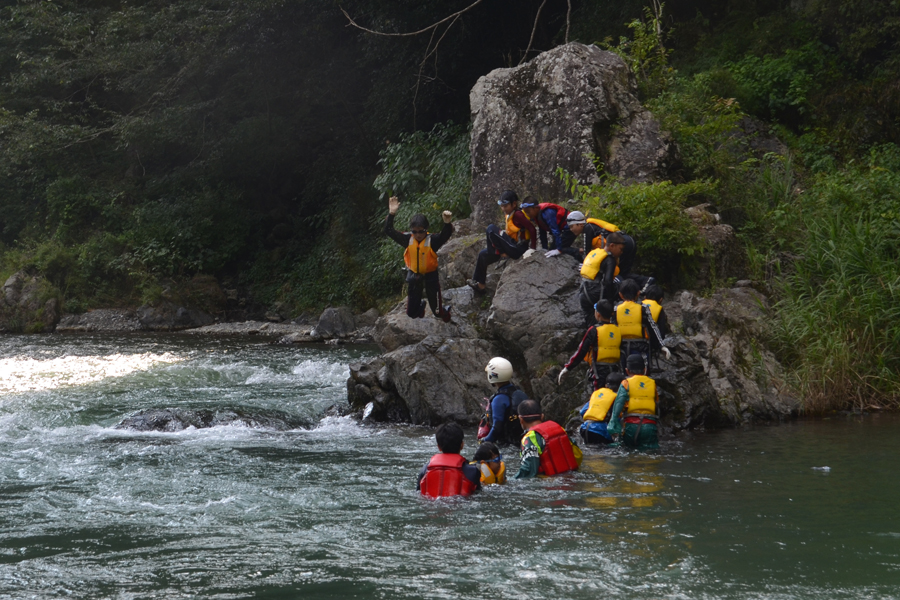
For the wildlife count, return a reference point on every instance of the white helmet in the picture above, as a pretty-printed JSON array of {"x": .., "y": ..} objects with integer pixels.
[{"x": 499, "y": 370}]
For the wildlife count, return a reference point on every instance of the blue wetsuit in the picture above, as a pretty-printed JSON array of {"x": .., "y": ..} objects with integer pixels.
[
  {"x": 593, "y": 432},
  {"x": 503, "y": 429}
]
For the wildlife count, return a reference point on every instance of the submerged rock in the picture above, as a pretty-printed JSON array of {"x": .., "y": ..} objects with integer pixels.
[{"x": 178, "y": 419}]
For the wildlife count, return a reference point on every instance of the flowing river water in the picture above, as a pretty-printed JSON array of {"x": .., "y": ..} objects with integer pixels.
[{"x": 802, "y": 510}]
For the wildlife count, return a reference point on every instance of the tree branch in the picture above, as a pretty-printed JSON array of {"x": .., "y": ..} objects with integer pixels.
[
  {"x": 454, "y": 16},
  {"x": 533, "y": 29}
]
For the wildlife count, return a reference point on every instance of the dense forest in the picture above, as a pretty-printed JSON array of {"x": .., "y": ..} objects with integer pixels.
[{"x": 145, "y": 143}]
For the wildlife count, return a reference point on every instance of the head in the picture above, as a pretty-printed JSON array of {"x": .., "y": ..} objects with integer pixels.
[
  {"x": 530, "y": 413},
  {"x": 615, "y": 244},
  {"x": 614, "y": 380},
  {"x": 530, "y": 207},
  {"x": 603, "y": 311},
  {"x": 634, "y": 365},
  {"x": 418, "y": 226},
  {"x": 576, "y": 222},
  {"x": 653, "y": 292},
  {"x": 508, "y": 202},
  {"x": 629, "y": 290},
  {"x": 487, "y": 451},
  {"x": 449, "y": 437},
  {"x": 499, "y": 371}
]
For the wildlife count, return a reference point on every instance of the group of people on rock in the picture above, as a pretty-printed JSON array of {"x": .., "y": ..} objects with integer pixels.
[{"x": 626, "y": 328}]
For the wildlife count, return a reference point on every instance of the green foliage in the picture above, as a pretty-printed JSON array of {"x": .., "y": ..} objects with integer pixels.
[
  {"x": 646, "y": 52},
  {"x": 652, "y": 213}
]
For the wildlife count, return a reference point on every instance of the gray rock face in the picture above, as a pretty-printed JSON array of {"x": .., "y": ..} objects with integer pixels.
[
  {"x": 335, "y": 323},
  {"x": 557, "y": 110},
  {"x": 100, "y": 320},
  {"x": 179, "y": 419},
  {"x": 168, "y": 316}
]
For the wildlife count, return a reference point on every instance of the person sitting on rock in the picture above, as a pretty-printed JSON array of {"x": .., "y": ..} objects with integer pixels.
[
  {"x": 448, "y": 473},
  {"x": 640, "y": 335},
  {"x": 421, "y": 261},
  {"x": 546, "y": 448},
  {"x": 502, "y": 407},
  {"x": 599, "y": 276},
  {"x": 636, "y": 408},
  {"x": 653, "y": 297},
  {"x": 593, "y": 231},
  {"x": 599, "y": 347},
  {"x": 596, "y": 413},
  {"x": 552, "y": 218},
  {"x": 519, "y": 236},
  {"x": 490, "y": 464}
]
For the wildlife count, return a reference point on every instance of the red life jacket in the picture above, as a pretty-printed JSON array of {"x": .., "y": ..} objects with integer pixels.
[
  {"x": 444, "y": 477},
  {"x": 557, "y": 456},
  {"x": 561, "y": 213}
]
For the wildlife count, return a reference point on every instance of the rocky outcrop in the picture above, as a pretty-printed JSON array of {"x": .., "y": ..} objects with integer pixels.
[
  {"x": 560, "y": 109},
  {"x": 168, "y": 316},
  {"x": 29, "y": 304},
  {"x": 335, "y": 323},
  {"x": 101, "y": 320},
  {"x": 179, "y": 419}
]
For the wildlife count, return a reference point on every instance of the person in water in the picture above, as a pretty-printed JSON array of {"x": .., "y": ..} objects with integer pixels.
[
  {"x": 635, "y": 412},
  {"x": 596, "y": 413},
  {"x": 518, "y": 238},
  {"x": 551, "y": 218},
  {"x": 600, "y": 347},
  {"x": 490, "y": 464},
  {"x": 502, "y": 408},
  {"x": 421, "y": 260},
  {"x": 546, "y": 448},
  {"x": 448, "y": 473},
  {"x": 636, "y": 325},
  {"x": 599, "y": 276}
]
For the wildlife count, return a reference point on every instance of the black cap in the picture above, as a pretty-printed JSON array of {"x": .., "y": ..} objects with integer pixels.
[
  {"x": 635, "y": 363},
  {"x": 508, "y": 196}
]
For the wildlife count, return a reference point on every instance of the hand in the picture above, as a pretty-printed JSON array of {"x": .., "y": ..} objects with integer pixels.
[
  {"x": 393, "y": 205},
  {"x": 561, "y": 373},
  {"x": 552, "y": 253},
  {"x": 528, "y": 253},
  {"x": 447, "y": 216},
  {"x": 667, "y": 353}
]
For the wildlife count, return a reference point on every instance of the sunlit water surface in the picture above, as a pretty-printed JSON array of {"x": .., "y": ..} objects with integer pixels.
[{"x": 805, "y": 510}]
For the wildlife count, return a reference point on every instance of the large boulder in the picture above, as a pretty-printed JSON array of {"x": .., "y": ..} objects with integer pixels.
[
  {"x": 168, "y": 316},
  {"x": 560, "y": 109},
  {"x": 396, "y": 329},
  {"x": 335, "y": 323},
  {"x": 29, "y": 303}
]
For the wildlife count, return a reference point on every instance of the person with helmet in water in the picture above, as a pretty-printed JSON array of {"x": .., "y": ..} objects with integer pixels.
[
  {"x": 599, "y": 276},
  {"x": 600, "y": 347},
  {"x": 546, "y": 448},
  {"x": 502, "y": 407},
  {"x": 448, "y": 473},
  {"x": 596, "y": 413},
  {"x": 552, "y": 218},
  {"x": 635, "y": 412},
  {"x": 518, "y": 237},
  {"x": 421, "y": 261}
]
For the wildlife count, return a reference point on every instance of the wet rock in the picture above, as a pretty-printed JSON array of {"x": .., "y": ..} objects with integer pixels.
[
  {"x": 558, "y": 110},
  {"x": 335, "y": 323},
  {"x": 167, "y": 316},
  {"x": 256, "y": 328},
  {"x": 179, "y": 419},
  {"x": 100, "y": 320},
  {"x": 371, "y": 393}
]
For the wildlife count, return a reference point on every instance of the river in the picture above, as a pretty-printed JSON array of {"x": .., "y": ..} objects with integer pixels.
[{"x": 801, "y": 510}]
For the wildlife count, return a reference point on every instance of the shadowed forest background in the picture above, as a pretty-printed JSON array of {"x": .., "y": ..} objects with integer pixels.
[{"x": 144, "y": 145}]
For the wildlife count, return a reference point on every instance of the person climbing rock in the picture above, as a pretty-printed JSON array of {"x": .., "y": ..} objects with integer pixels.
[
  {"x": 593, "y": 231},
  {"x": 546, "y": 448},
  {"x": 551, "y": 218},
  {"x": 640, "y": 334},
  {"x": 635, "y": 412},
  {"x": 519, "y": 236},
  {"x": 600, "y": 347},
  {"x": 599, "y": 273},
  {"x": 502, "y": 407},
  {"x": 421, "y": 260}
]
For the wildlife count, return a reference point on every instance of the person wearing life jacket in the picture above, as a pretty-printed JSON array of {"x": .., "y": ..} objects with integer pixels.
[
  {"x": 593, "y": 231},
  {"x": 490, "y": 464},
  {"x": 552, "y": 218},
  {"x": 635, "y": 413},
  {"x": 502, "y": 407},
  {"x": 421, "y": 261},
  {"x": 546, "y": 448},
  {"x": 599, "y": 347},
  {"x": 448, "y": 473},
  {"x": 653, "y": 297},
  {"x": 640, "y": 333},
  {"x": 518, "y": 237},
  {"x": 599, "y": 276},
  {"x": 596, "y": 413}
]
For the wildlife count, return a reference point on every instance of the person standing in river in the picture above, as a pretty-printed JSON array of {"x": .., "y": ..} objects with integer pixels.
[
  {"x": 421, "y": 260},
  {"x": 635, "y": 412}
]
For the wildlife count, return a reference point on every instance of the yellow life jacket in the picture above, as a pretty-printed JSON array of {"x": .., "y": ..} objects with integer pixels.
[
  {"x": 514, "y": 231},
  {"x": 641, "y": 395},
  {"x": 608, "y": 341},
  {"x": 628, "y": 317},
  {"x": 600, "y": 403},
  {"x": 591, "y": 265},
  {"x": 488, "y": 477},
  {"x": 655, "y": 308},
  {"x": 599, "y": 242},
  {"x": 419, "y": 257}
]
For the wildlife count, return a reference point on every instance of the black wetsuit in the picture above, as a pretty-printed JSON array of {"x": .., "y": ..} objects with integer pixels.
[{"x": 415, "y": 306}]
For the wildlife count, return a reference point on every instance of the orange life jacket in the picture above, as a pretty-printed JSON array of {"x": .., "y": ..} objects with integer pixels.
[
  {"x": 419, "y": 257},
  {"x": 513, "y": 231},
  {"x": 444, "y": 477}
]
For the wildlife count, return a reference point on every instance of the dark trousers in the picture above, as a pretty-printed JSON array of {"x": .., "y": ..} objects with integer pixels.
[
  {"x": 497, "y": 243},
  {"x": 641, "y": 280},
  {"x": 599, "y": 371},
  {"x": 592, "y": 291},
  {"x": 415, "y": 306},
  {"x": 636, "y": 346}
]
